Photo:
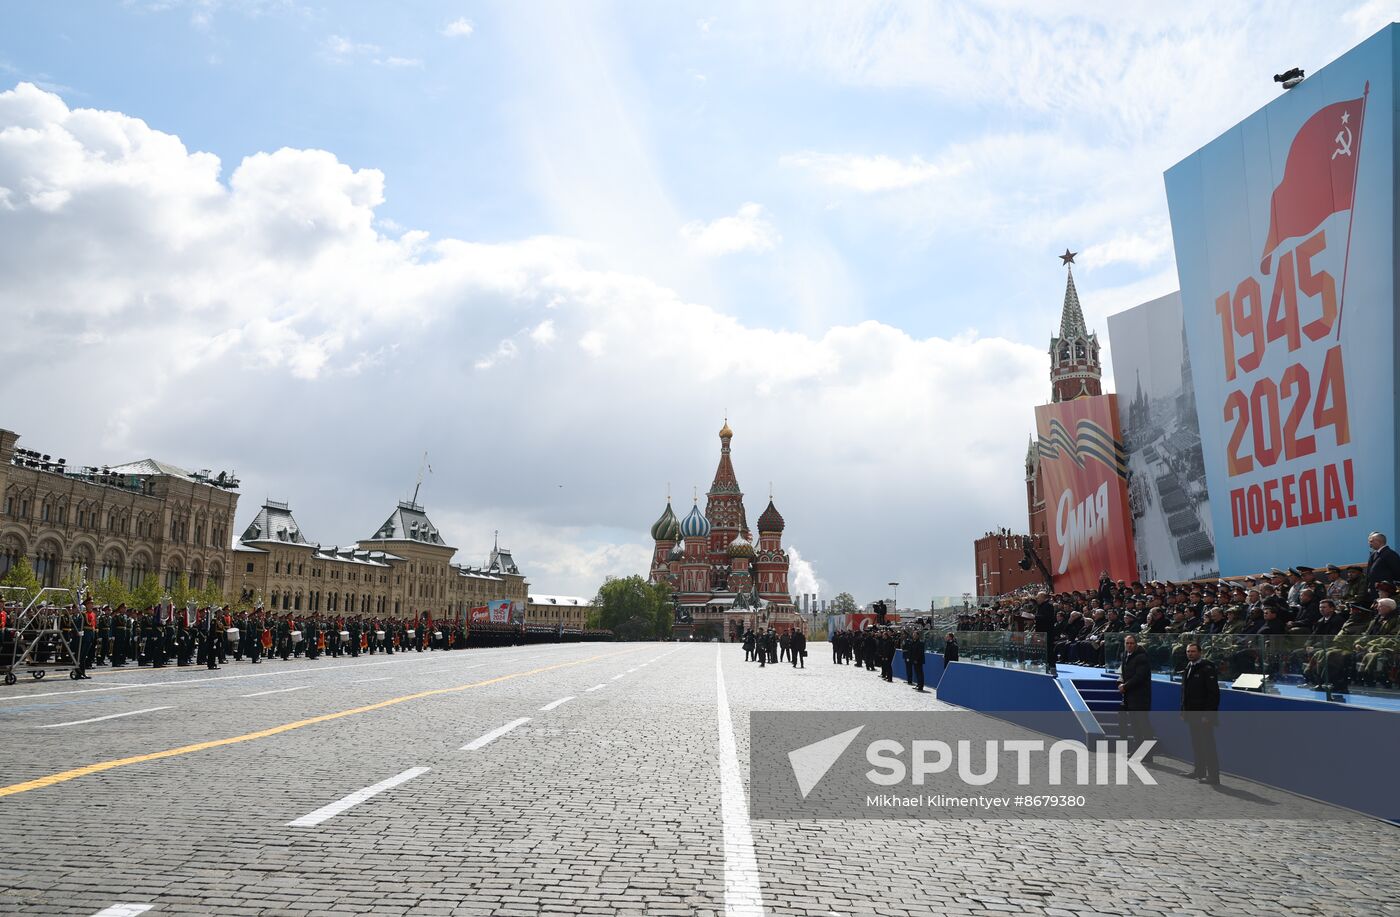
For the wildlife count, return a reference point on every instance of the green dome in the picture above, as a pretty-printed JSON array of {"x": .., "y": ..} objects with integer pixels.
[{"x": 667, "y": 528}]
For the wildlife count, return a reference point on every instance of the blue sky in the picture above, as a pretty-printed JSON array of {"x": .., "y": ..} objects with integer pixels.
[{"x": 589, "y": 230}]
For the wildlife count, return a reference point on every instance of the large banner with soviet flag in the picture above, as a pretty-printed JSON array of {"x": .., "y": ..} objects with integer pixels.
[
  {"x": 1285, "y": 248},
  {"x": 1085, "y": 474}
]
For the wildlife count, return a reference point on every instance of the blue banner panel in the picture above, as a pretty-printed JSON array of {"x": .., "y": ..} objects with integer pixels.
[{"x": 1284, "y": 228}]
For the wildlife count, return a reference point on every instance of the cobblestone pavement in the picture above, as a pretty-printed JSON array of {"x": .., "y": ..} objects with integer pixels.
[{"x": 607, "y": 803}]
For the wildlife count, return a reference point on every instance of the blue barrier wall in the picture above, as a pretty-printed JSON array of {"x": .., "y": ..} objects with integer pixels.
[
  {"x": 1328, "y": 739},
  {"x": 1009, "y": 693},
  {"x": 933, "y": 667}
]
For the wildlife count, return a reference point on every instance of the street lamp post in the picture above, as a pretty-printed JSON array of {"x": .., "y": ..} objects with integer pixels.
[{"x": 895, "y": 596}]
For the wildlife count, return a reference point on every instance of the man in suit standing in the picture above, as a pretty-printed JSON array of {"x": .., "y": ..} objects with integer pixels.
[
  {"x": 1135, "y": 684},
  {"x": 1045, "y": 624},
  {"x": 1200, "y": 703},
  {"x": 1383, "y": 564},
  {"x": 799, "y": 649},
  {"x": 914, "y": 658}
]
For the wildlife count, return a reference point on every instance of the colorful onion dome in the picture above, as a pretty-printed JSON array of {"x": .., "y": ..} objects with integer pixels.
[
  {"x": 695, "y": 525},
  {"x": 771, "y": 520},
  {"x": 677, "y": 552},
  {"x": 740, "y": 547},
  {"x": 667, "y": 528}
]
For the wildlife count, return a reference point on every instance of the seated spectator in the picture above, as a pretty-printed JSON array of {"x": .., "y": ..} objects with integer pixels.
[
  {"x": 1329, "y": 619},
  {"x": 1305, "y": 613}
]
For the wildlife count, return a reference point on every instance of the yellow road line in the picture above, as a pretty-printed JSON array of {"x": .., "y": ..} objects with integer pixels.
[{"x": 73, "y": 774}]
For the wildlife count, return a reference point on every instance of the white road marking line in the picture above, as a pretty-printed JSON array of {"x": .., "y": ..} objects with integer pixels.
[
  {"x": 617, "y": 676},
  {"x": 365, "y": 681},
  {"x": 595, "y": 688},
  {"x": 494, "y": 734},
  {"x": 98, "y": 719},
  {"x": 631, "y": 670},
  {"x": 276, "y": 691},
  {"x": 184, "y": 682},
  {"x": 124, "y": 910},
  {"x": 555, "y": 703},
  {"x": 742, "y": 895},
  {"x": 355, "y": 798}
]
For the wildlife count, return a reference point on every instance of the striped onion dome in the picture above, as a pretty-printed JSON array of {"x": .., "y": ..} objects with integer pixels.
[
  {"x": 667, "y": 528},
  {"x": 695, "y": 525}
]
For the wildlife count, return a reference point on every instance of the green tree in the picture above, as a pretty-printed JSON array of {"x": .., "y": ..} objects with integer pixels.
[
  {"x": 632, "y": 608},
  {"x": 181, "y": 594},
  {"x": 844, "y": 604},
  {"x": 22, "y": 575},
  {"x": 73, "y": 582},
  {"x": 111, "y": 591},
  {"x": 211, "y": 596},
  {"x": 148, "y": 594}
]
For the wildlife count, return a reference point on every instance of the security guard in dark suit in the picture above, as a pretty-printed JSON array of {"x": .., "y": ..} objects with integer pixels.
[
  {"x": 914, "y": 658},
  {"x": 1135, "y": 684},
  {"x": 1200, "y": 705}
]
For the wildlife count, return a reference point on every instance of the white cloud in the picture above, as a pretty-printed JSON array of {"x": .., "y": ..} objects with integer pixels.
[
  {"x": 543, "y": 333},
  {"x": 593, "y": 343},
  {"x": 748, "y": 230},
  {"x": 269, "y": 307},
  {"x": 461, "y": 27},
  {"x": 505, "y": 350},
  {"x": 339, "y": 47},
  {"x": 873, "y": 173},
  {"x": 1149, "y": 246}
]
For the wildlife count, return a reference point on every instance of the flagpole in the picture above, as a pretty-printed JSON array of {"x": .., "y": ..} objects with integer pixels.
[{"x": 1355, "y": 175}]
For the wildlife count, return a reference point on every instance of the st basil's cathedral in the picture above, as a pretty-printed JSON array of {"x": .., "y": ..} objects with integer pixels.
[{"x": 722, "y": 582}]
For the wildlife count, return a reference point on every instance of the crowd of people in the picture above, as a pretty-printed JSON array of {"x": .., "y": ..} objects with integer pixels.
[
  {"x": 768, "y": 647},
  {"x": 1355, "y": 602},
  {"x": 89, "y": 635},
  {"x": 874, "y": 648}
]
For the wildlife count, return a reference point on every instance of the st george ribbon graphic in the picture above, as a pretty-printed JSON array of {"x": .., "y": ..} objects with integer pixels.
[{"x": 1086, "y": 492}]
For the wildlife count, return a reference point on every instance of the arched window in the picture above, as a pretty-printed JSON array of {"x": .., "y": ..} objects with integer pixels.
[
  {"x": 111, "y": 565},
  {"x": 216, "y": 575},
  {"x": 140, "y": 569},
  {"x": 11, "y": 550},
  {"x": 83, "y": 561},
  {"x": 46, "y": 564}
]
